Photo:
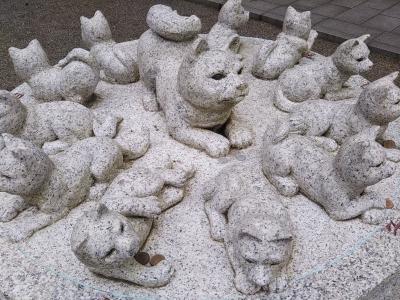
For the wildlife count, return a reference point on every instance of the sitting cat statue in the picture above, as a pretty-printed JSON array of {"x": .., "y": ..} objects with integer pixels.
[
  {"x": 338, "y": 183},
  {"x": 117, "y": 61},
  {"x": 314, "y": 78},
  {"x": 73, "y": 79},
  {"x": 232, "y": 16},
  {"x": 133, "y": 199},
  {"x": 53, "y": 185},
  {"x": 377, "y": 105},
  {"x": 290, "y": 46},
  {"x": 197, "y": 88},
  {"x": 254, "y": 226}
]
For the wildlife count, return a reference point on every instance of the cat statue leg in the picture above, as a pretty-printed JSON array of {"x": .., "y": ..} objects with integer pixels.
[
  {"x": 11, "y": 206},
  {"x": 240, "y": 136}
]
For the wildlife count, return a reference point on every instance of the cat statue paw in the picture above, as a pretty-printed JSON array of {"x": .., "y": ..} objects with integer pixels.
[
  {"x": 117, "y": 61},
  {"x": 74, "y": 79},
  {"x": 133, "y": 199},
  {"x": 232, "y": 17},
  {"x": 313, "y": 78},
  {"x": 253, "y": 225},
  {"x": 197, "y": 89},
  {"x": 290, "y": 46},
  {"x": 336, "y": 182}
]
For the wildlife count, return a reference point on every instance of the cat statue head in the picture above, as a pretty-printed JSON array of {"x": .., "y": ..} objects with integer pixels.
[
  {"x": 12, "y": 113},
  {"x": 263, "y": 243},
  {"x": 103, "y": 238},
  {"x": 361, "y": 161},
  {"x": 297, "y": 23},
  {"x": 210, "y": 79},
  {"x": 380, "y": 100},
  {"x": 29, "y": 61},
  {"x": 351, "y": 57},
  {"x": 233, "y": 14},
  {"x": 95, "y": 30},
  {"x": 24, "y": 168}
]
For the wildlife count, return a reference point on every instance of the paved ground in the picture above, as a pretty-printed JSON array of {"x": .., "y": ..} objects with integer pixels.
[
  {"x": 56, "y": 25},
  {"x": 339, "y": 18}
]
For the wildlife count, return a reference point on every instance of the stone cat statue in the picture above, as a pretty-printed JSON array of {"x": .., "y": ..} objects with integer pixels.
[
  {"x": 377, "y": 105},
  {"x": 73, "y": 79},
  {"x": 197, "y": 88},
  {"x": 117, "y": 61},
  {"x": 232, "y": 16},
  {"x": 338, "y": 183},
  {"x": 53, "y": 185},
  {"x": 291, "y": 44},
  {"x": 255, "y": 228},
  {"x": 320, "y": 76},
  {"x": 130, "y": 203}
]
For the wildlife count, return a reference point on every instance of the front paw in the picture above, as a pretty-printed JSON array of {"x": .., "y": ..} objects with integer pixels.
[
  {"x": 278, "y": 285},
  {"x": 160, "y": 274},
  {"x": 150, "y": 207},
  {"x": 11, "y": 205},
  {"x": 182, "y": 173},
  {"x": 241, "y": 137},
  {"x": 373, "y": 217},
  {"x": 245, "y": 286},
  {"x": 217, "y": 147}
]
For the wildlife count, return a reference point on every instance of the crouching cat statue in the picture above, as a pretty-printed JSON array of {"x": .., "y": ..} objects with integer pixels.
[
  {"x": 117, "y": 61},
  {"x": 321, "y": 76},
  {"x": 338, "y": 183},
  {"x": 197, "y": 88},
  {"x": 377, "y": 106},
  {"x": 133, "y": 199},
  {"x": 73, "y": 79},
  {"x": 292, "y": 43},
  {"x": 232, "y": 16},
  {"x": 255, "y": 228},
  {"x": 54, "y": 185}
]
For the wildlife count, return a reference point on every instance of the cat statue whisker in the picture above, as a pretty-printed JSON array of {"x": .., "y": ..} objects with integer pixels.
[{"x": 74, "y": 79}]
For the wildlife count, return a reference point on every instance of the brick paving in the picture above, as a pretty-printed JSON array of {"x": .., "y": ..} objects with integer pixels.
[{"x": 337, "y": 19}]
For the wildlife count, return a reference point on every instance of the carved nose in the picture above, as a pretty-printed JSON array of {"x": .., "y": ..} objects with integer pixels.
[{"x": 243, "y": 86}]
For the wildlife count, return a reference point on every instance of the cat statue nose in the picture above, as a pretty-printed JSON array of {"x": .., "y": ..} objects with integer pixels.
[{"x": 243, "y": 86}]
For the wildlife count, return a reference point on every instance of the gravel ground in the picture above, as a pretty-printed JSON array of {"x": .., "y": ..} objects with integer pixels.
[{"x": 56, "y": 25}]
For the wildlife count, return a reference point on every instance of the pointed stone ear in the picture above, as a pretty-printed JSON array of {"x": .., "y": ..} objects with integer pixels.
[
  {"x": 12, "y": 51},
  {"x": 392, "y": 76},
  {"x": 84, "y": 20},
  {"x": 363, "y": 37},
  {"x": 34, "y": 43},
  {"x": 99, "y": 14},
  {"x": 233, "y": 44},
  {"x": 290, "y": 11},
  {"x": 307, "y": 14},
  {"x": 199, "y": 46}
]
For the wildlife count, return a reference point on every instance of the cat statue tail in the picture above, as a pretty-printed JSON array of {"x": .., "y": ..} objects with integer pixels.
[
  {"x": 82, "y": 55},
  {"x": 168, "y": 24},
  {"x": 282, "y": 102}
]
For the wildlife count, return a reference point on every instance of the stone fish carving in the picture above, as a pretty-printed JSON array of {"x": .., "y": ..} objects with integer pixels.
[
  {"x": 197, "y": 88},
  {"x": 294, "y": 163},
  {"x": 54, "y": 185},
  {"x": 255, "y": 228},
  {"x": 291, "y": 44},
  {"x": 232, "y": 16},
  {"x": 53, "y": 125},
  {"x": 133, "y": 199},
  {"x": 73, "y": 79},
  {"x": 316, "y": 77},
  {"x": 377, "y": 105},
  {"x": 117, "y": 61}
]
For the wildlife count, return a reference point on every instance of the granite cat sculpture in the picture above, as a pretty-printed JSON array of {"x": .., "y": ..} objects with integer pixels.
[
  {"x": 292, "y": 43},
  {"x": 377, "y": 105},
  {"x": 338, "y": 183},
  {"x": 316, "y": 77},
  {"x": 54, "y": 185},
  {"x": 232, "y": 16},
  {"x": 255, "y": 228},
  {"x": 197, "y": 89},
  {"x": 73, "y": 79},
  {"x": 130, "y": 203},
  {"x": 117, "y": 61}
]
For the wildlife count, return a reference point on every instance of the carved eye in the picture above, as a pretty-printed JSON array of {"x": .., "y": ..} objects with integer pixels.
[
  {"x": 360, "y": 59},
  {"x": 121, "y": 228},
  {"x": 240, "y": 71},
  {"x": 110, "y": 253},
  {"x": 218, "y": 76}
]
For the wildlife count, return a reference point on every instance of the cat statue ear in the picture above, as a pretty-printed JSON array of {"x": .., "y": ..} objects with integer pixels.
[
  {"x": 360, "y": 39},
  {"x": 95, "y": 29},
  {"x": 199, "y": 46},
  {"x": 233, "y": 44}
]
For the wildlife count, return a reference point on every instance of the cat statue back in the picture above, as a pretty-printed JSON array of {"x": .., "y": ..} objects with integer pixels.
[
  {"x": 291, "y": 44},
  {"x": 117, "y": 61}
]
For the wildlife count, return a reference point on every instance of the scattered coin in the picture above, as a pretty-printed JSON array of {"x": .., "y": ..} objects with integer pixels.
[
  {"x": 156, "y": 259},
  {"x": 389, "y": 203},
  {"x": 389, "y": 144},
  {"x": 143, "y": 258}
]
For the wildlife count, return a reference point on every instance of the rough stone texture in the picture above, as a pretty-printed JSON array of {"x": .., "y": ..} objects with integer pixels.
[
  {"x": 117, "y": 61},
  {"x": 296, "y": 38},
  {"x": 316, "y": 77},
  {"x": 74, "y": 78}
]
